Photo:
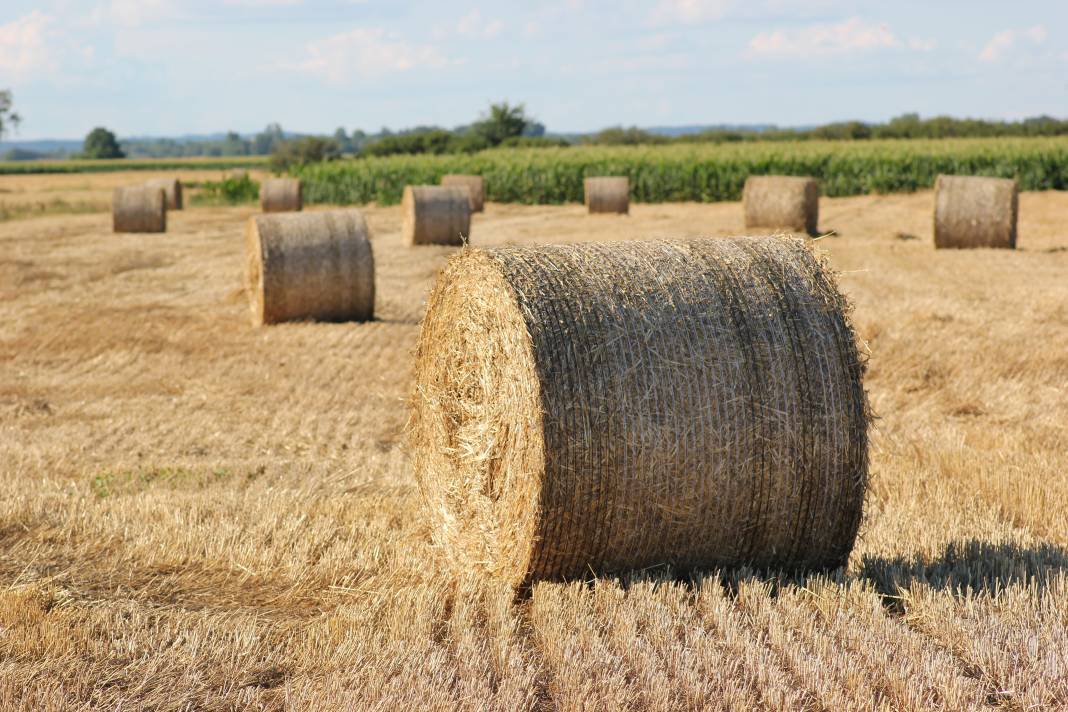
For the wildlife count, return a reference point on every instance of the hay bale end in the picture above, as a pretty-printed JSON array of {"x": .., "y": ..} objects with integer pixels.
[
  {"x": 783, "y": 202},
  {"x": 607, "y": 194},
  {"x": 435, "y": 215},
  {"x": 138, "y": 208},
  {"x": 475, "y": 184},
  {"x": 280, "y": 195},
  {"x": 973, "y": 211}
]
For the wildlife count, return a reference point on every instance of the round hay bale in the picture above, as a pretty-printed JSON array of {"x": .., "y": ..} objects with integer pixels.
[
  {"x": 281, "y": 195},
  {"x": 475, "y": 184},
  {"x": 611, "y": 407},
  {"x": 172, "y": 188},
  {"x": 786, "y": 202},
  {"x": 138, "y": 208},
  {"x": 316, "y": 265},
  {"x": 435, "y": 215},
  {"x": 971, "y": 211},
  {"x": 608, "y": 194}
]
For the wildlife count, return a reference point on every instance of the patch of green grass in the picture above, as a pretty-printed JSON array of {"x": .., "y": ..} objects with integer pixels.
[
  {"x": 229, "y": 191},
  {"x": 116, "y": 482}
]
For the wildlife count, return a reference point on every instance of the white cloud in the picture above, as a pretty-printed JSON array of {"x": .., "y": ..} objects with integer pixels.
[
  {"x": 365, "y": 52},
  {"x": 23, "y": 45},
  {"x": 134, "y": 13},
  {"x": 848, "y": 36},
  {"x": 473, "y": 25},
  {"x": 689, "y": 11},
  {"x": 1003, "y": 42}
]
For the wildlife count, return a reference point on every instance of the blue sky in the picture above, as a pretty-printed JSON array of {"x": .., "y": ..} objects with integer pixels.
[{"x": 169, "y": 67}]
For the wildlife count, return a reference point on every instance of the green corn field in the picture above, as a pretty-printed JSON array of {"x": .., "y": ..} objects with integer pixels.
[{"x": 696, "y": 172}]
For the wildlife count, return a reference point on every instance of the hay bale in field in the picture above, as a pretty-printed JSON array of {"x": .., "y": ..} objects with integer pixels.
[
  {"x": 138, "y": 208},
  {"x": 435, "y": 215},
  {"x": 316, "y": 265},
  {"x": 786, "y": 202},
  {"x": 280, "y": 195},
  {"x": 607, "y": 194},
  {"x": 475, "y": 184},
  {"x": 971, "y": 211},
  {"x": 172, "y": 188},
  {"x": 611, "y": 407}
]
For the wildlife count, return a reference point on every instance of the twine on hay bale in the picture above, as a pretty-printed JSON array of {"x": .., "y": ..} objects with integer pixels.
[
  {"x": 316, "y": 265},
  {"x": 971, "y": 211},
  {"x": 607, "y": 194},
  {"x": 138, "y": 208},
  {"x": 475, "y": 184},
  {"x": 611, "y": 407},
  {"x": 435, "y": 215},
  {"x": 280, "y": 195},
  {"x": 172, "y": 188},
  {"x": 786, "y": 202}
]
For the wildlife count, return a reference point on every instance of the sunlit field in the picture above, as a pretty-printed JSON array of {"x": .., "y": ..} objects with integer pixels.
[{"x": 198, "y": 515}]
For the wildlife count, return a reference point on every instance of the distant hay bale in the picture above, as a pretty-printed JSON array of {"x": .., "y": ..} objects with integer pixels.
[
  {"x": 281, "y": 195},
  {"x": 316, "y": 265},
  {"x": 975, "y": 212},
  {"x": 138, "y": 208},
  {"x": 475, "y": 184},
  {"x": 607, "y": 194},
  {"x": 612, "y": 407},
  {"x": 786, "y": 202},
  {"x": 435, "y": 215},
  {"x": 172, "y": 187}
]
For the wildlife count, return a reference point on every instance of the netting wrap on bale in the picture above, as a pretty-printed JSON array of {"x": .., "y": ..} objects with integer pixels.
[
  {"x": 139, "y": 208},
  {"x": 475, "y": 184},
  {"x": 316, "y": 265},
  {"x": 435, "y": 215},
  {"x": 599, "y": 408},
  {"x": 281, "y": 195},
  {"x": 786, "y": 202},
  {"x": 972, "y": 211},
  {"x": 607, "y": 194},
  {"x": 172, "y": 188}
]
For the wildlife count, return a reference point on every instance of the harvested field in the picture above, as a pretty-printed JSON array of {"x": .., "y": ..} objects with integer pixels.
[{"x": 198, "y": 514}]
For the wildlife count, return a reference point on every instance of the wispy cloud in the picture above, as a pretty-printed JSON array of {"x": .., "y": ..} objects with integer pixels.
[
  {"x": 134, "y": 13},
  {"x": 689, "y": 11},
  {"x": 846, "y": 37},
  {"x": 999, "y": 46},
  {"x": 365, "y": 52},
  {"x": 23, "y": 45}
]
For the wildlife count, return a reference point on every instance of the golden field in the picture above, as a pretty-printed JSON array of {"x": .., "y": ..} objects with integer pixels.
[{"x": 198, "y": 515}]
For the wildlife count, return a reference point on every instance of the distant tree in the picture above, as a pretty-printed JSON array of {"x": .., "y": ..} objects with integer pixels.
[
  {"x": 501, "y": 122},
  {"x": 234, "y": 145},
  {"x": 101, "y": 143},
  {"x": 342, "y": 140},
  {"x": 620, "y": 136},
  {"x": 301, "y": 151},
  {"x": 9, "y": 120},
  {"x": 358, "y": 141},
  {"x": 265, "y": 142}
]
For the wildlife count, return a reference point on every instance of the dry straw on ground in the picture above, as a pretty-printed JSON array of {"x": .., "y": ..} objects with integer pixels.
[
  {"x": 280, "y": 195},
  {"x": 591, "y": 408},
  {"x": 435, "y": 215},
  {"x": 607, "y": 194},
  {"x": 972, "y": 211},
  {"x": 785, "y": 202},
  {"x": 316, "y": 265},
  {"x": 172, "y": 188},
  {"x": 476, "y": 184},
  {"x": 138, "y": 208}
]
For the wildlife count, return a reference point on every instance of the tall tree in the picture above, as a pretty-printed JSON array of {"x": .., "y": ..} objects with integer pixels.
[
  {"x": 9, "y": 120},
  {"x": 101, "y": 143},
  {"x": 503, "y": 121}
]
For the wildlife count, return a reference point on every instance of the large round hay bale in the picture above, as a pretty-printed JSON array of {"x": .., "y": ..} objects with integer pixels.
[
  {"x": 785, "y": 202},
  {"x": 281, "y": 195},
  {"x": 595, "y": 408},
  {"x": 138, "y": 208},
  {"x": 607, "y": 194},
  {"x": 971, "y": 211},
  {"x": 172, "y": 188},
  {"x": 316, "y": 265},
  {"x": 435, "y": 215},
  {"x": 475, "y": 184}
]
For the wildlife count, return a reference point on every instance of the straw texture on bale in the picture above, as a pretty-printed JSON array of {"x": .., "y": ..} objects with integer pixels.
[
  {"x": 139, "y": 208},
  {"x": 316, "y": 265},
  {"x": 435, "y": 215},
  {"x": 609, "y": 194},
  {"x": 281, "y": 195},
  {"x": 475, "y": 184},
  {"x": 599, "y": 408},
  {"x": 787, "y": 202},
  {"x": 172, "y": 188},
  {"x": 972, "y": 211}
]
